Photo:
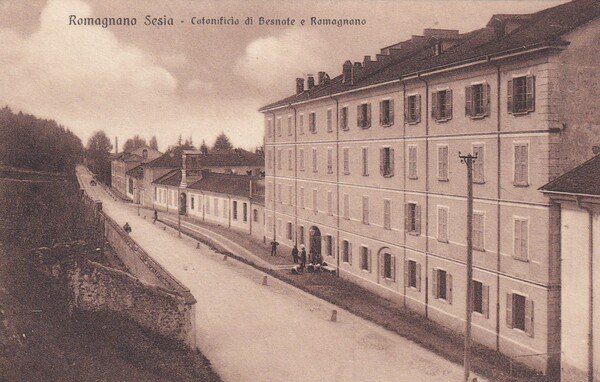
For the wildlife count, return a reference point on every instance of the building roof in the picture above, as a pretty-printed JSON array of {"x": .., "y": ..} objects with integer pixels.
[
  {"x": 127, "y": 157},
  {"x": 172, "y": 178},
  {"x": 582, "y": 180},
  {"x": 170, "y": 159},
  {"x": 137, "y": 172},
  {"x": 224, "y": 158},
  {"x": 416, "y": 56},
  {"x": 230, "y": 184}
]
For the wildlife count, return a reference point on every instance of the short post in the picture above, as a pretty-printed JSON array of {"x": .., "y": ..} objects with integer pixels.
[
  {"x": 264, "y": 280},
  {"x": 224, "y": 257},
  {"x": 198, "y": 245},
  {"x": 334, "y": 315}
]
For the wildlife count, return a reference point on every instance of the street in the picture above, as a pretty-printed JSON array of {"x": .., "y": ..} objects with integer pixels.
[{"x": 252, "y": 332}]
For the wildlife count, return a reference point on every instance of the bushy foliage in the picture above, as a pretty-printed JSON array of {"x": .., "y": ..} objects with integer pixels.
[{"x": 98, "y": 156}]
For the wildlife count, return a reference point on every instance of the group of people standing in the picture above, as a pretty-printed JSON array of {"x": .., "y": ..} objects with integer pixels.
[{"x": 299, "y": 256}]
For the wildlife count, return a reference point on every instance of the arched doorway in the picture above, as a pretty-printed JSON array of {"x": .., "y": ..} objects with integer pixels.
[
  {"x": 314, "y": 235},
  {"x": 183, "y": 204}
]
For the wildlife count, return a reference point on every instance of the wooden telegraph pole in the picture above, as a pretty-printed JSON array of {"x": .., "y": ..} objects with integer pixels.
[{"x": 468, "y": 160}]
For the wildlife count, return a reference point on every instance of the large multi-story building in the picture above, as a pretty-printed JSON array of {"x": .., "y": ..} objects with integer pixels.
[
  {"x": 125, "y": 161},
  {"x": 364, "y": 168}
]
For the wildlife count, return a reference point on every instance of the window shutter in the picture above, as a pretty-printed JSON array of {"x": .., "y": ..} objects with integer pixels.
[
  {"x": 370, "y": 259},
  {"x": 509, "y": 314},
  {"x": 449, "y": 104},
  {"x": 358, "y": 116},
  {"x": 391, "y": 113},
  {"x": 449, "y": 288},
  {"x": 381, "y": 115},
  {"x": 486, "y": 99},
  {"x": 406, "y": 115},
  {"x": 469, "y": 101},
  {"x": 406, "y": 273},
  {"x": 391, "y": 162},
  {"x": 524, "y": 239},
  {"x": 517, "y": 164},
  {"x": 368, "y": 124},
  {"x": 530, "y": 93},
  {"x": 529, "y": 317},
  {"x": 418, "y": 277},
  {"x": 406, "y": 217},
  {"x": 509, "y": 100},
  {"x": 485, "y": 291},
  {"x": 349, "y": 253},
  {"x": 418, "y": 108},
  {"x": 393, "y": 268},
  {"x": 381, "y": 161},
  {"x": 434, "y": 105},
  {"x": 418, "y": 219},
  {"x": 434, "y": 283}
]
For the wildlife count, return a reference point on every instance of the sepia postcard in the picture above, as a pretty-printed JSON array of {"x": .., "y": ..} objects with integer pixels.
[{"x": 312, "y": 190}]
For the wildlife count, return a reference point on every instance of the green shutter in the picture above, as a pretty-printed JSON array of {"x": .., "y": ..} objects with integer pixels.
[
  {"x": 391, "y": 162},
  {"x": 418, "y": 219},
  {"x": 418, "y": 108}
]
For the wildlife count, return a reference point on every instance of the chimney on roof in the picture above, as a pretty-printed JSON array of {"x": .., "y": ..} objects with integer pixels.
[
  {"x": 499, "y": 26},
  {"x": 299, "y": 85},
  {"x": 310, "y": 81},
  {"x": 323, "y": 78},
  {"x": 347, "y": 73},
  {"x": 366, "y": 60},
  {"x": 357, "y": 65}
]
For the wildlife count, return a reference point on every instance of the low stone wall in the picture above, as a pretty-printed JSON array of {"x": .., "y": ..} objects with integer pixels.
[{"x": 94, "y": 288}]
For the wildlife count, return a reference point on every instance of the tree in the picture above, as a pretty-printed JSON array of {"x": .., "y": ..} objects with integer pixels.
[
  {"x": 153, "y": 143},
  {"x": 222, "y": 143},
  {"x": 98, "y": 155},
  {"x": 204, "y": 147},
  {"x": 134, "y": 143}
]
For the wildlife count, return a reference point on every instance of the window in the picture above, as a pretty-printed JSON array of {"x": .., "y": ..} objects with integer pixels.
[
  {"x": 442, "y": 285},
  {"x": 255, "y": 215},
  {"x": 481, "y": 295},
  {"x": 314, "y": 159},
  {"x": 387, "y": 214},
  {"x": 344, "y": 118},
  {"x": 329, "y": 120},
  {"x": 312, "y": 122},
  {"x": 279, "y": 127},
  {"x": 289, "y": 125},
  {"x": 279, "y": 159},
  {"x": 301, "y": 124},
  {"x": 315, "y": 200},
  {"x": 519, "y": 313},
  {"x": 329, "y": 245},
  {"x": 365, "y": 259},
  {"x": 478, "y": 230},
  {"x": 388, "y": 266},
  {"x": 521, "y": 95},
  {"x": 441, "y": 105},
  {"x": 245, "y": 212},
  {"x": 442, "y": 224},
  {"x": 329, "y": 203},
  {"x": 207, "y": 206},
  {"x": 225, "y": 208},
  {"x": 288, "y": 233},
  {"x": 290, "y": 160},
  {"x": 443, "y": 163},
  {"x": 412, "y": 162},
  {"x": 346, "y": 207},
  {"x": 477, "y": 100},
  {"x": 130, "y": 186},
  {"x": 412, "y": 218},
  {"x": 216, "y": 206},
  {"x": 363, "y": 115},
  {"x": 346, "y": 155},
  {"x": 521, "y": 244},
  {"x": 365, "y": 210},
  {"x": 412, "y": 109},
  {"x": 301, "y": 234},
  {"x": 270, "y": 128},
  {"x": 235, "y": 210},
  {"x": 521, "y": 164},
  {"x": 365, "y": 161},
  {"x": 386, "y": 162},
  {"x": 290, "y": 195},
  {"x": 386, "y": 112},
  {"x": 437, "y": 49},
  {"x": 301, "y": 197},
  {"x": 412, "y": 274},
  {"x": 347, "y": 252},
  {"x": 478, "y": 164},
  {"x": 329, "y": 160},
  {"x": 301, "y": 159}
]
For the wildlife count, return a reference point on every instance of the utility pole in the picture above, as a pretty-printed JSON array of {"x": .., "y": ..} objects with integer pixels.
[
  {"x": 179, "y": 217},
  {"x": 468, "y": 160}
]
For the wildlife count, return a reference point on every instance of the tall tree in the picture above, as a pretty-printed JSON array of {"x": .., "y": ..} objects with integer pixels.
[
  {"x": 222, "y": 142},
  {"x": 134, "y": 143},
  {"x": 98, "y": 155},
  {"x": 153, "y": 143},
  {"x": 204, "y": 147}
]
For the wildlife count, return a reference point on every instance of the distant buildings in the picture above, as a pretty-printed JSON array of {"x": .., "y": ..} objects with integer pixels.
[
  {"x": 122, "y": 163},
  {"x": 363, "y": 167}
]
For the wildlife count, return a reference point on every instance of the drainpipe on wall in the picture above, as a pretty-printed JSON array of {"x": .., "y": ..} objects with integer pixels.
[
  {"x": 295, "y": 175},
  {"x": 274, "y": 194},
  {"x": 229, "y": 214},
  {"x": 337, "y": 183},
  {"x": 404, "y": 183},
  {"x": 426, "y": 194},
  {"x": 590, "y": 212},
  {"x": 498, "y": 206}
]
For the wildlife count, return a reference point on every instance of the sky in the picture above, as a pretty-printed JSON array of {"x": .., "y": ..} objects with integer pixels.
[{"x": 197, "y": 80}]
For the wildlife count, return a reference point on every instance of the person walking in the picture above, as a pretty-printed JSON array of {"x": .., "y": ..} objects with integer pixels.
[
  {"x": 274, "y": 245},
  {"x": 295, "y": 254},
  {"x": 302, "y": 256},
  {"x": 155, "y": 216}
]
